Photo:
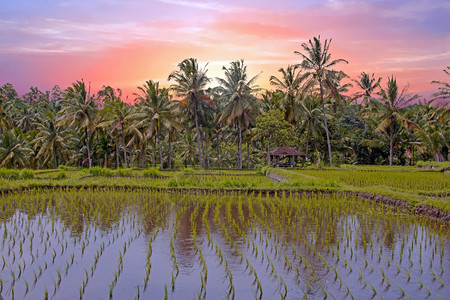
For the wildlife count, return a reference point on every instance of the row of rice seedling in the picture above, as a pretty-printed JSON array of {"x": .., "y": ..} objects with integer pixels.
[
  {"x": 419, "y": 181},
  {"x": 122, "y": 244}
]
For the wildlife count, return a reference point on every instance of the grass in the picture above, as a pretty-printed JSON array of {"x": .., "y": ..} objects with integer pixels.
[{"x": 416, "y": 186}]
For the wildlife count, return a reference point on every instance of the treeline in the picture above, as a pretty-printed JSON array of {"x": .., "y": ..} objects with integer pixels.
[{"x": 234, "y": 124}]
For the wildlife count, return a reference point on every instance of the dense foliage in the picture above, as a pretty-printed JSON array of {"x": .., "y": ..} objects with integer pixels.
[{"x": 194, "y": 122}]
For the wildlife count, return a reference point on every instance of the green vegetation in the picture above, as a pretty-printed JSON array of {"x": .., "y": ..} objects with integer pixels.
[{"x": 228, "y": 122}]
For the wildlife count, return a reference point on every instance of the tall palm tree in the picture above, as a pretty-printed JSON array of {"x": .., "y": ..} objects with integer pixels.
[
  {"x": 79, "y": 110},
  {"x": 51, "y": 140},
  {"x": 317, "y": 60},
  {"x": 115, "y": 113},
  {"x": 155, "y": 111},
  {"x": 14, "y": 149},
  {"x": 310, "y": 111},
  {"x": 291, "y": 84},
  {"x": 391, "y": 114},
  {"x": 237, "y": 92},
  {"x": 191, "y": 84}
]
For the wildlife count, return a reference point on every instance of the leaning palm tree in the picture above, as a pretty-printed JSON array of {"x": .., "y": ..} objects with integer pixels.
[
  {"x": 291, "y": 84},
  {"x": 78, "y": 109},
  {"x": 318, "y": 61},
  {"x": 51, "y": 140},
  {"x": 391, "y": 113},
  {"x": 191, "y": 84},
  {"x": 154, "y": 112},
  {"x": 14, "y": 149},
  {"x": 240, "y": 103}
]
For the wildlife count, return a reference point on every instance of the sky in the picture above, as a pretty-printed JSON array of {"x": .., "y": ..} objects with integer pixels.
[{"x": 123, "y": 43}]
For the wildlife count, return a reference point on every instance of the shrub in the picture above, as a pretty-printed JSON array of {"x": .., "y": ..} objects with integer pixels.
[
  {"x": 188, "y": 170},
  {"x": 124, "y": 172},
  {"x": 26, "y": 174},
  {"x": 99, "y": 171},
  {"x": 61, "y": 175},
  {"x": 152, "y": 172},
  {"x": 9, "y": 174}
]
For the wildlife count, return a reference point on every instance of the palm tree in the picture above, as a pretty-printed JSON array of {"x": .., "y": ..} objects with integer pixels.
[
  {"x": 78, "y": 109},
  {"x": 155, "y": 111},
  {"x": 310, "y": 111},
  {"x": 51, "y": 140},
  {"x": 191, "y": 84},
  {"x": 290, "y": 84},
  {"x": 14, "y": 150},
  {"x": 237, "y": 92},
  {"x": 391, "y": 115},
  {"x": 317, "y": 59},
  {"x": 444, "y": 87},
  {"x": 115, "y": 113}
]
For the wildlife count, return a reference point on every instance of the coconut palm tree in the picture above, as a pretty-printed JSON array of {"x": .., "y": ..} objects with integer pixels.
[
  {"x": 79, "y": 110},
  {"x": 444, "y": 87},
  {"x": 154, "y": 112},
  {"x": 391, "y": 114},
  {"x": 14, "y": 149},
  {"x": 237, "y": 92},
  {"x": 114, "y": 117},
  {"x": 51, "y": 140},
  {"x": 317, "y": 61},
  {"x": 190, "y": 85},
  {"x": 310, "y": 111},
  {"x": 291, "y": 84}
]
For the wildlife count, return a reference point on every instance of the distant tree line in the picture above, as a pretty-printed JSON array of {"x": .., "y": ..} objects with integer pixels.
[{"x": 234, "y": 124}]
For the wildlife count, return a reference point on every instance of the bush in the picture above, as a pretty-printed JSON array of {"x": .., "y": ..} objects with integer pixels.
[
  {"x": 99, "y": 171},
  {"x": 262, "y": 169},
  {"x": 152, "y": 172},
  {"x": 124, "y": 172},
  {"x": 188, "y": 170},
  {"x": 9, "y": 174},
  {"x": 61, "y": 175},
  {"x": 26, "y": 174}
]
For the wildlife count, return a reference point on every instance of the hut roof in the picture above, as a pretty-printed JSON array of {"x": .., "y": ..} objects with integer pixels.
[{"x": 285, "y": 151}]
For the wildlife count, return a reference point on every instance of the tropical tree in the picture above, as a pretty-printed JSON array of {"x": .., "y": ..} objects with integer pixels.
[
  {"x": 155, "y": 112},
  {"x": 114, "y": 117},
  {"x": 191, "y": 82},
  {"x": 51, "y": 140},
  {"x": 444, "y": 87},
  {"x": 237, "y": 92},
  {"x": 291, "y": 84},
  {"x": 391, "y": 114},
  {"x": 317, "y": 62},
  {"x": 79, "y": 110},
  {"x": 14, "y": 149},
  {"x": 310, "y": 111}
]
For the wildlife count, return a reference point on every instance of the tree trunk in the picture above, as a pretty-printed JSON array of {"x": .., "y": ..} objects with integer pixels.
[
  {"x": 161, "y": 165},
  {"x": 200, "y": 153},
  {"x": 325, "y": 123},
  {"x": 219, "y": 159},
  {"x": 240, "y": 145},
  {"x": 87, "y": 147},
  {"x": 170, "y": 152},
  {"x": 154, "y": 154},
  {"x": 206, "y": 154},
  {"x": 307, "y": 140},
  {"x": 117, "y": 153},
  {"x": 391, "y": 142},
  {"x": 55, "y": 158},
  {"x": 248, "y": 155},
  {"x": 124, "y": 148},
  {"x": 268, "y": 153}
]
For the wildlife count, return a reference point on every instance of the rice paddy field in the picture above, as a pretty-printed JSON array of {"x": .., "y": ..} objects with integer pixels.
[{"x": 190, "y": 235}]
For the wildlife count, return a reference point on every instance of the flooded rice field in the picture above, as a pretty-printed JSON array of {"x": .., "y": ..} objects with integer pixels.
[{"x": 145, "y": 244}]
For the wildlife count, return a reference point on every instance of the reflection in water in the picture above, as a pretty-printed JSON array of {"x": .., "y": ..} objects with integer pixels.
[{"x": 98, "y": 244}]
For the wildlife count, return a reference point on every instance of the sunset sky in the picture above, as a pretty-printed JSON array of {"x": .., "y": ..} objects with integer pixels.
[{"x": 124, "y": 43}]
